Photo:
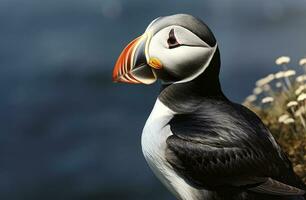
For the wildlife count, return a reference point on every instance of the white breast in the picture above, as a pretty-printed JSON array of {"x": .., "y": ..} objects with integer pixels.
[{"x": 153, "y": 142}]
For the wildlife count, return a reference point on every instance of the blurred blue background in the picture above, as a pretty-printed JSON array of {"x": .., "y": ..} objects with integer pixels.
[{"x": 68, "y": 132}]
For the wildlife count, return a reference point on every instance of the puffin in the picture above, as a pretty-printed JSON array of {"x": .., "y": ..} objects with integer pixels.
[{"x": 198, "y": 143}]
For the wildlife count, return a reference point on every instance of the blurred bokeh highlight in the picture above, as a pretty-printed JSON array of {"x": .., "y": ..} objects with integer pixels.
[{"x": 67, "y": 131}]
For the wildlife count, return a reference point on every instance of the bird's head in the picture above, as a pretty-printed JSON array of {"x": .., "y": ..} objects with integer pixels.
[{"x": 174, "y": 49}]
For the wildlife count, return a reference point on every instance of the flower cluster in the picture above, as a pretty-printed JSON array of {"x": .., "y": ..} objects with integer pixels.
[
  {"x": 280, "y": 100},
  {"x": 284, "y": 91}
]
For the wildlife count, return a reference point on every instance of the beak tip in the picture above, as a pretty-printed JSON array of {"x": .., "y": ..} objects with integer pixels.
[{"x": 115, "y": 80}]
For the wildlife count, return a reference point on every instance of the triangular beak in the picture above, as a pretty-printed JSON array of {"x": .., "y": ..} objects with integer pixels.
[{"x": 131, "y": 66}]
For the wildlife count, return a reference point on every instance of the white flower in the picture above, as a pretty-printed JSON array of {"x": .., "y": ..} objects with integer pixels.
[
  {"x": 267, "y": 100},
  {"x": 282, "y": 60},
  {"x": 260, "y": 82},
  {"x": 300, "y": 89},
  {"x": 289, "y": 73},
  {"x": 300, "y": 78},
  {"x": 301, "y": 97},
  {"x": 288, "y": 121},
  {"x": 302, "y": 62},
  {"x": 283, "y": 117},
  {"x": 278, "y": 84},
  {"x": 270, "y": 77},
  {"x": 292, "y": 103},
  {"x": 257, "y": 90},
  {"x": 279, "y": 75},
  {"x": 251, "y": 98},
  {"x": 265, "y": 80}
]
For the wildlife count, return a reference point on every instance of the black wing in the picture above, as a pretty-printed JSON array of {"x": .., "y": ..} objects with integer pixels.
[{"x": 226, "y": 145}]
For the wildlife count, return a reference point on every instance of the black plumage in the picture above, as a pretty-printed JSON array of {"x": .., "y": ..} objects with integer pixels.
[{"x": 222, "y": 146}]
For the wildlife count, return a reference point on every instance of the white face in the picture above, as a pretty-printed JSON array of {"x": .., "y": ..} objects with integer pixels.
[{"x": 182, "y": 53}]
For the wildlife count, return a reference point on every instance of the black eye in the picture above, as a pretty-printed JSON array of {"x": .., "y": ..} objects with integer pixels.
[{"x": 172, "y": 42}]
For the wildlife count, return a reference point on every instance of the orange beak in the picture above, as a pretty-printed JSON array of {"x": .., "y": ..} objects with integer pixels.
[{"x": 131, "y": 66}]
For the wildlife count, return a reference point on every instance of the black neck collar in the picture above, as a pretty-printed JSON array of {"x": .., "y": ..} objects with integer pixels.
[{"x": 184, "y": 97}]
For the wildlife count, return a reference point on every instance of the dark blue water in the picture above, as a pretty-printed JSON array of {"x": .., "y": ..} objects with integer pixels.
[{"x": 68, "y": 132}]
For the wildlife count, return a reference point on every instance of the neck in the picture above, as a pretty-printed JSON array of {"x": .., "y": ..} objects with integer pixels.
[{"x": 184, "y": 97}]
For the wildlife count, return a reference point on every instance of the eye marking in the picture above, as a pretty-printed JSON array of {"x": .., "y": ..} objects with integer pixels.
[{"x": 172, "y": 41}]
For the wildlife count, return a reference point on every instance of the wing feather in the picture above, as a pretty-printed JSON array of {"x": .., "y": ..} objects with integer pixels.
[{"x": 229, "y": 147}]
